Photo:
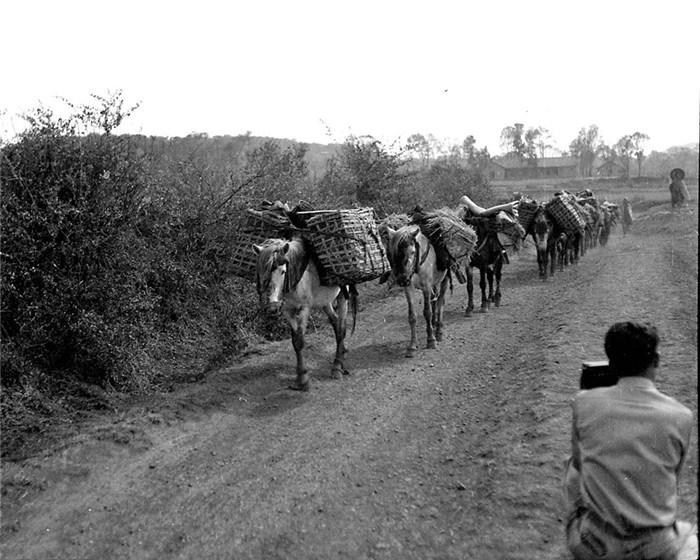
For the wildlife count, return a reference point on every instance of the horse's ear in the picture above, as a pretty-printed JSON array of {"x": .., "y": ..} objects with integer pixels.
[
  {"x": 285, "y": 248},
  {"x": 257, "y": 249},
  {"x": 414, "y": 231},
  {"x": 386, "y": 233}
]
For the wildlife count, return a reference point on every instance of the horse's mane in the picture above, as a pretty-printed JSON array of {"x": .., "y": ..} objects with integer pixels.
[{"x": 296, "y": 257}]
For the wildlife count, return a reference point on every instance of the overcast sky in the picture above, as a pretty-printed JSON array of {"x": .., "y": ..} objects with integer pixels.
[{"x": 317, "y": 71}]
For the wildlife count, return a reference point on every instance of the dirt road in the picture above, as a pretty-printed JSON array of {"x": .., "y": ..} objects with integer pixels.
[{"x": 457, "y": 453}]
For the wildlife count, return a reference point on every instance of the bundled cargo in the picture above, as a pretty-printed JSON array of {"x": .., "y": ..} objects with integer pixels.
[
  {"x": 566, "y": 212},
  {"x": 527, "y": 208},
  {"x": 453, "y": 239},
  {"x": 347, "y": 245},
  {"x": 589, "y": 213}
]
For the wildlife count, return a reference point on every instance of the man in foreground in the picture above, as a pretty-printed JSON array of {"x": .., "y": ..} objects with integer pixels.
[{"x": 629, "y": 445}]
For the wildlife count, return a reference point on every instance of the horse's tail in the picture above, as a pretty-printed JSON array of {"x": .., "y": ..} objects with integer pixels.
[{"x": 350, "y": 293}]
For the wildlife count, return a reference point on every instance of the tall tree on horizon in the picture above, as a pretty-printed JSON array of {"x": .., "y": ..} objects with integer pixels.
[
  {"x": 624, "y": 148},
  {"x": 638, "y": 140},
  {"x": 585, "y": 147},
  {"x": 512, "y": 140}
]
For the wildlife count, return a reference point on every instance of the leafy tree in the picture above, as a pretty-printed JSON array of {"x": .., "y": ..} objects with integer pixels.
[
  {"x": 274, "y": 173},
  {"x": 513, "y": 141},
  {"x": 638, "y": 139},
  {"x": 624, "y": 148},
  {"x": 606, "y": 152},
  {"x": 374, "y": 170},
  {"x": 542, "y": 142},
  {"x": 418, "y": 145},
  {"x": 446, "y": 181},
  {"x": 585, "y": 147}
]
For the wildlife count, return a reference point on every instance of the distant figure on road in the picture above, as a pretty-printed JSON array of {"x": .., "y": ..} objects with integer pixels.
[
  {"x": 627, "y": 218},
  {"x": 679, "y": 192}
]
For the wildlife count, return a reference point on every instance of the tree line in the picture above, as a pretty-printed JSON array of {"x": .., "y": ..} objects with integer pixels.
[{"x": 531, "y": 144}]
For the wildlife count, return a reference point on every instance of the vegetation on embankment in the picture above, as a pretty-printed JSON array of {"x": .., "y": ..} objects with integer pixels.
[{"x": 116, "y": 251}]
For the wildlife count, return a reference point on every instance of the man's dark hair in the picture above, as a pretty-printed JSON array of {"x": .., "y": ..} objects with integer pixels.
[{"x": 631, "y": 347}]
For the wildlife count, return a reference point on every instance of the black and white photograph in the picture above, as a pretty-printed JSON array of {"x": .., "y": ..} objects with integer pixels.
[{"x": 390, "y": 280}]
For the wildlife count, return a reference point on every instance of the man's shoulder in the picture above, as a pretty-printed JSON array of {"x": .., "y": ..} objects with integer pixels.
[
  {"x": 674, "y": 406},
  {"x": 603, "y": 396}
]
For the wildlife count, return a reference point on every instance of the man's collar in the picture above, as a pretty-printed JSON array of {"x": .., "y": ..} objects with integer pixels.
[{"x": 636, "y": 382}]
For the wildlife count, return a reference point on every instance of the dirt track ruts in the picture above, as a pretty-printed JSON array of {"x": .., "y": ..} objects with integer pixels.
[{"x": 457, "y": 453}]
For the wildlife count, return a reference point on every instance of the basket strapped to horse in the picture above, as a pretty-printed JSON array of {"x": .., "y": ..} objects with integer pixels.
[
  {"x": 256, "y": 227},
  {"x": 526, "y": 212},
  {"x": 347, "y": 245},
  {"x": 566, "y": 212},
  {"x": 345, "y": 242}
]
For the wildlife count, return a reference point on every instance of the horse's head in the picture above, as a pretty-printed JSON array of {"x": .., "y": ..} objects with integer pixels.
[
  {"x": 279, "y": 267},
  {"x": 404, "y": 253},
  {"x": 270, "y": 271},
  {"x": 541, "y": 228}
]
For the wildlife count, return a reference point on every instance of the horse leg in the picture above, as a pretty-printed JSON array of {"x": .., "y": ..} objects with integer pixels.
[
  {"x": 438, "y": 309},
  {"x": 470, "y": 292},
  {"x": 428, "y": 304},
  {"x": 338, "y": 319},
  {"x": 552, "y": 254},
  {"x": 498, "y": 271},
  {"x": 542, "y": 262},
  {"x": 298, "y": 320},
  {"x": 490, "y": 273},
  {"x": 413, "y": 343},
  {"x": 482, "y": 285}
]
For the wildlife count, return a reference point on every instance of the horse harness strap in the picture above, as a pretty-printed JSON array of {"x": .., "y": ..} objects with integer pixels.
[{"x": 420, "y": 259}]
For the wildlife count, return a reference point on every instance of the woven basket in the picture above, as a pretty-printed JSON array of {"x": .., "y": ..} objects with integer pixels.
[
  {"x": 567, "y": 213},
  {"x": 347, "y": 245},
  {"x": 257, "y": 226},
  {"x": 526, "y": 212}
]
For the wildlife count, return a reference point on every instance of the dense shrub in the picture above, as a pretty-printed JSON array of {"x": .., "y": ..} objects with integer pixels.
[{"x": 116, "y": 249}]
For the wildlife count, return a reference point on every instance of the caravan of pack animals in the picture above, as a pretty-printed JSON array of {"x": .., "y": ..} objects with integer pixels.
[{"x": 302, "y": 258}]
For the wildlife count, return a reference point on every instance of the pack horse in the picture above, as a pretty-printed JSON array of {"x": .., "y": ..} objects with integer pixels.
[
  {"x": 288, "y": 279},
  {"x": 414, "y": 265}
]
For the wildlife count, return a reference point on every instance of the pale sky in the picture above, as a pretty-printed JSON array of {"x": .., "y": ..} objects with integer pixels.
[{"x": 317, "y": 71}]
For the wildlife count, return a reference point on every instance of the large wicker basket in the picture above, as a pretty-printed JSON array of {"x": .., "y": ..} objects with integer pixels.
[
  {"x": 526, "y": 212},
  {"x": 257, "y": 226},
  {"x": 347, "y": 245},
  {"x": 566, "y": 212}
]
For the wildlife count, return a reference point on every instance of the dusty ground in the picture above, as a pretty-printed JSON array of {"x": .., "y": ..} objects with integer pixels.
[{"x": 457, "y": 453}]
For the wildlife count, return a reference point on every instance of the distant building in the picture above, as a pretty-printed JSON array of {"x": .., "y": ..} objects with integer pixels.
[
  {"x": 516, "y": 169},
  {"x": 609, "y": 168}
]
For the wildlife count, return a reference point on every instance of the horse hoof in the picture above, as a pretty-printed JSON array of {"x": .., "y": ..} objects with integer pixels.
[
  {"x": 431, "y": 345},
  {"x": 337, "y": 373},
  {"x": 484, "y": 310},
  {"x": 497, "y": 304},
  {"x": 411, "y": 353},
  {"x": 296, "y": 386},
  {"x": 469, "y": 313},
  {"x": 439, "y": 337}
]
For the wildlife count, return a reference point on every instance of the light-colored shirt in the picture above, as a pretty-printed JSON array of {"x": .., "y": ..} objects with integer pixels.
[{"x": 629, "y": 443}]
